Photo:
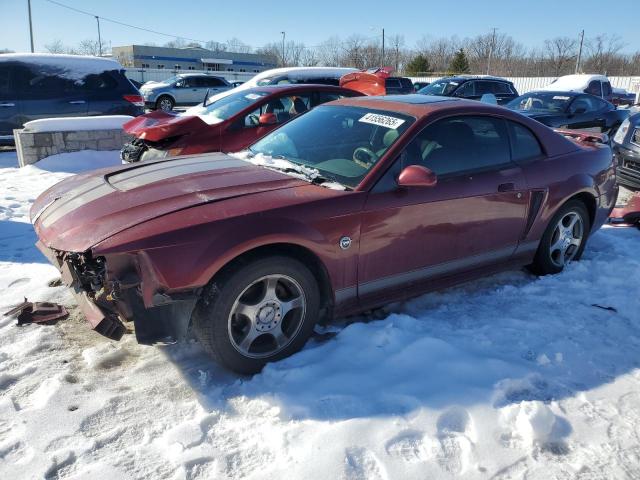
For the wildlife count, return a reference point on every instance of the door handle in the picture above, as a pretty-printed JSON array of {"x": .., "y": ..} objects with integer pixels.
[
  {"x": 506, "y": 187},
  {"x": 7, "y": 104},
  {"x": 77, "y": 102}
]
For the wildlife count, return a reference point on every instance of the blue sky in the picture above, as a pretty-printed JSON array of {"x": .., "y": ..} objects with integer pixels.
[{"x": 260, "y": 22}]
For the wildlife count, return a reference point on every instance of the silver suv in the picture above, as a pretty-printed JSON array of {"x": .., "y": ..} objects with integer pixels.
[{"x": 185, "y": 89}]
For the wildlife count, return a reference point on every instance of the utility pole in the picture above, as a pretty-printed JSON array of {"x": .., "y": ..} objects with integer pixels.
[
  {"x": 283, "y": 37},
  {"x": 382, "y": 60},
  {"x": 30, "y": 25},
  {"x": 99, "y": 38},
  {"x": 580, "y": 52},
  {"x": 493, "y": 43}
]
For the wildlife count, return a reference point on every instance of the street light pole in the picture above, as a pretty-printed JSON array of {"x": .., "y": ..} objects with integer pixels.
[
  {"x": 30, "y": 25},
  {"x": 283, "y": 37},
  {"x": 99, "y": 38},
  {"x": 382, "y": 62}
]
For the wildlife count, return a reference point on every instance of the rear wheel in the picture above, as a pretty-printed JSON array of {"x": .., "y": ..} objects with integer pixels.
[
  {"x": 564, "y": 240},
  {"x": 258, "y": 313},
  {"x": 165, "y": 103}
]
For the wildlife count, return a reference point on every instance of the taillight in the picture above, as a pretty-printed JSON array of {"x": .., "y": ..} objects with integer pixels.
[{"x": 137, "y": 100}]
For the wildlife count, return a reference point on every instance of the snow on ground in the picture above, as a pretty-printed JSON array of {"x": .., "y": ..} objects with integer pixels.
[{"x": 509, "y": 377}]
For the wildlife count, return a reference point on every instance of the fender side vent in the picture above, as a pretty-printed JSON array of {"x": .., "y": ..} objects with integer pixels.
[{"x": 534, "y": 207}]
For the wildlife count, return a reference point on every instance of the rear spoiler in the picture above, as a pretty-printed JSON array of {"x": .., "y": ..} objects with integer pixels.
[
  {"x": 369, "y": 82},
  {"x": 582, "y": 136}
]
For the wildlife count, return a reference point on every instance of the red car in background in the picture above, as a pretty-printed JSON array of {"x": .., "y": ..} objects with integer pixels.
[
  {"x": 355, "y": 204},
  {"x": 228, "y": 124}
]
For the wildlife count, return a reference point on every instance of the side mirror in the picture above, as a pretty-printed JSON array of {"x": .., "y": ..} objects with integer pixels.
[
  {"x": 268, "y": 119},
  {"x": 417, "y": 176}
]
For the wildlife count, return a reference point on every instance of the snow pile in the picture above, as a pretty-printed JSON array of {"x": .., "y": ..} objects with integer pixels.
[
  {"x": 508, "y": 377},
  {"x": 71, "y": 124}
]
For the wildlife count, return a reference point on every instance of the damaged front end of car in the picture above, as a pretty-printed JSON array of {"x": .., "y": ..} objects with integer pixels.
[{"x": 110, "y": 292}]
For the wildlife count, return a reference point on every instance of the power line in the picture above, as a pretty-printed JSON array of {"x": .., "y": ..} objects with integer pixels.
[{"x": 117, "y": 22}]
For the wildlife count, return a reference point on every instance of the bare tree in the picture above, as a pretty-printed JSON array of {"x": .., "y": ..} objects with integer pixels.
[
  {"x": 215, "y": 46},
  {"x": 561, "y": 52},
  {"x": 330, "y": 52},
  {"x": 237, "y": 46},
  {"x": 602, "y": 53},
  {"x": 55, "y": 46},
  {"x": 88, "y": 47}
]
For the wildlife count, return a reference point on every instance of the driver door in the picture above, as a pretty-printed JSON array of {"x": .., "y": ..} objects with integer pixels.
[{"x": 472, "y": 218}]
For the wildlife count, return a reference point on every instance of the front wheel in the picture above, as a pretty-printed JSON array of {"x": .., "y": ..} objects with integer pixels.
[
  {"x": 258, "y": 313},
  {"x": 564, "y": 240},
  {"x": 165, "y": 103}
]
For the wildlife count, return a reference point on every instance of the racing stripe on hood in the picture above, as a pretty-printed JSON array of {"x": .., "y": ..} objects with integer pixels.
[{"x": 130, "y": 179}]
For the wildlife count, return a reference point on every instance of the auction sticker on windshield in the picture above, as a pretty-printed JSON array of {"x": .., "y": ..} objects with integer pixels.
[{"x": 382, "y": 120}]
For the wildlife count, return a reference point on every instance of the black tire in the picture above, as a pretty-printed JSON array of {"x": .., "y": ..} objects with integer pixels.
[
  {"x": 544, "y": 263},
  {"x": 213, "y": 320},
  {"x": 165, "y": 103}
]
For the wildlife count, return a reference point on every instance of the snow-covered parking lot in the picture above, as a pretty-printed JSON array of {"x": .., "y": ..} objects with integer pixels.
[{"x": 510, "y": 377}]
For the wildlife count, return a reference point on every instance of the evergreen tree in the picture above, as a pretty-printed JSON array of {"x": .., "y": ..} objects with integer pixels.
[
  {"x": 459, "y": 63},
  {"x": 418, "y": 64}
]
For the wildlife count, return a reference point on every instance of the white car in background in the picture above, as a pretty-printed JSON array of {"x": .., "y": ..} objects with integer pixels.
[{"x": 280, "y": 76}]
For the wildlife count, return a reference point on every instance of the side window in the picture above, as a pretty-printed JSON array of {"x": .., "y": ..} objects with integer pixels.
[
  {"x": 582, "y": 104},
  {"x": 462, "y": 144},
  {"x": 40, "y": 81},
  {"x": 524, "y": 144},
  {"x": 392, "y": 83},
  {"x": 212, "y": 82},
  {"x": 594, "y": 88},
  {"x": 102, "y": 82},
  {"x": 606, "y": 88},
  {"x": 466, "y": 90},
  {"x": 483, "y": 87},
  {"x": 501, "y": 87},
  {"x": 324, "y": 97},
  {"x": 191, "y": 82},
  {"x": 283, "y": 108}
]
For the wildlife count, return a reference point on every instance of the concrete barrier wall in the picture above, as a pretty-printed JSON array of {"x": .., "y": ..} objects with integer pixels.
[{"x": 34, "y": 146}]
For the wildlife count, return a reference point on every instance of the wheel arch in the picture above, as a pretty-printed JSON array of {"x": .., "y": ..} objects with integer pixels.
[
  {"x": 301, "y": 253},
  {"x": 590, "y": 202}
]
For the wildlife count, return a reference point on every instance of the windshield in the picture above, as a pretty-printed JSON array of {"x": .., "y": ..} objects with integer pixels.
[
  {"x": 341, "y": 143},
  {"x": 540, "y": 101},
  {"x": 226, "y": 107},
  {"x": 170, "y": 80},
  {"x": 443, "y": 87}
]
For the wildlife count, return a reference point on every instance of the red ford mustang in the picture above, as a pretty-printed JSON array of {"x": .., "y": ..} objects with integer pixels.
[
  {"x": 356, "y": 203},
  {"x": 228, "y": 124}
]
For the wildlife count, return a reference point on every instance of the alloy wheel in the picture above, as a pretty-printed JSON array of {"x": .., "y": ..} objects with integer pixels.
[
  {"x": 567, "y": 237},
  {"x": 266, "y": 316}
]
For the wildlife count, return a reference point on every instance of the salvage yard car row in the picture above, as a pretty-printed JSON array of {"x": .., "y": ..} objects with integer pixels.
[{"x": 327, "y": 203}]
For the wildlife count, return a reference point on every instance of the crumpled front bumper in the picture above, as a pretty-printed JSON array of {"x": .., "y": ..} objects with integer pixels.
[{"x": 101, "y": 319}]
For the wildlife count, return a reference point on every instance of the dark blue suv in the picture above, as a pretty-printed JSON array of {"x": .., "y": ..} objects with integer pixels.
[{"x": 36, "y": 86}]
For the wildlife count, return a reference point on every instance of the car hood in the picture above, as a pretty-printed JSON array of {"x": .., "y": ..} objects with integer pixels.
[
  {"x": 83, "y": 210},
  {"x": 159, "y": 125}
]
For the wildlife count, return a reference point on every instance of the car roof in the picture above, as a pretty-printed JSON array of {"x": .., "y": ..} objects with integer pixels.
[
  {"x": 556, "y": 92},
  {"x": 476, "y": 77}
]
